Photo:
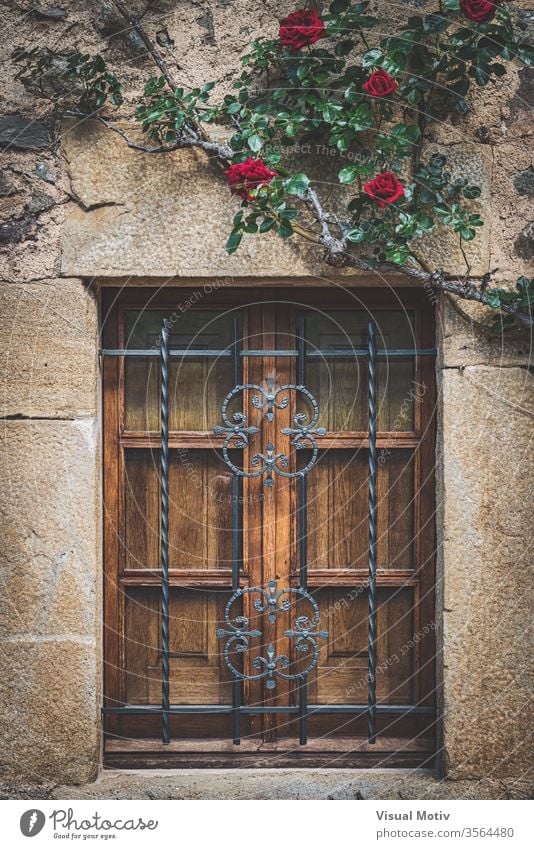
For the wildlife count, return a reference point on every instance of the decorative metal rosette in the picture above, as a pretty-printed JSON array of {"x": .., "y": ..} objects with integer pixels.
[
  {"x": 272, "y": 602},
  {"x": 236, "y": 431}
]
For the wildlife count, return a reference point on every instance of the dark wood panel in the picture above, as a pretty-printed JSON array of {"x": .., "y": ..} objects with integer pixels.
[
  {"x": 200, "y": 505},
  {"x": 337, "y": 510},
  {"x": 198, "y": 674},
  {"x": 341, "y": 673}
]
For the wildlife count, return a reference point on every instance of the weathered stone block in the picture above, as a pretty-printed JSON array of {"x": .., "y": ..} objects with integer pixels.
[
  {"x": 442, "y": 248},
  {"x": 524, "y": 182},
  {"x": 171, "y": 215},
  {"x": 49, "y": 710},
  {"x": 23, "y": 133},
  {"x": 342, "y": 784},
  {"x": 485, "y": 579},
  {"x": 50, "y": 599},
  {"x": 524, "y": 244},
  {"x": 49, "y": 351},
  {"x": 142, "y": 217},
  {"x": 461, "y": 344},
  {"x": 512, "y": 243}
]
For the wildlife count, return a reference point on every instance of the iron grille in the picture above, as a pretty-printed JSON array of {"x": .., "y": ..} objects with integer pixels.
[{"x": 270, "y": 464}]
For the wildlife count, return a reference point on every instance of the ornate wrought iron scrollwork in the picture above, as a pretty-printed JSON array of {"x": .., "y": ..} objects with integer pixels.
[
  {"x": 273, "y": 602},
  {"x": 236, "y": 431}
]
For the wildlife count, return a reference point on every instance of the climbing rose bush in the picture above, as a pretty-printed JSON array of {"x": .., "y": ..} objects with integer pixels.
[
  {"x": 334, "y": 83},
  {"x": 300, "y": 29},
  {"x": 372, "y": 99}
]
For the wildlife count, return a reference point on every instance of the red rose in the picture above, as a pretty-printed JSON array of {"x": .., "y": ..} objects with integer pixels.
[
  {"x": 479, "y": 11},
  {"x": 245, "y": 176},
  {"x": 380, "y": 84},
  {"x": 301, "y": 28},
  {"x": 385, "y": 188}
]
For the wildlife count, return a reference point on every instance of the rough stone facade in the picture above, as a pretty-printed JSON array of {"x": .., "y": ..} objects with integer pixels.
[{"x": 78, "y": 206}]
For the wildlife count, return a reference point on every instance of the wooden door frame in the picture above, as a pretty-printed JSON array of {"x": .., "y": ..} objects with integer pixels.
[{"x": 219, "y": 753}]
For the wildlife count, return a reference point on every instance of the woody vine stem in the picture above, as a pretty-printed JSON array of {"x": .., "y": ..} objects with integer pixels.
[{"x": 327, "y": 79}]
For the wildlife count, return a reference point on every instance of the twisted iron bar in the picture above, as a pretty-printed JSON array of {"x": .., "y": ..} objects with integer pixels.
[
  {"x": 165, "y": 699},
  {"x": 371, "y": 693}
]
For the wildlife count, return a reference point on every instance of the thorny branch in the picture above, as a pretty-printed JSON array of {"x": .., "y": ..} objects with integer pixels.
[{"x": 223, "y": 151}]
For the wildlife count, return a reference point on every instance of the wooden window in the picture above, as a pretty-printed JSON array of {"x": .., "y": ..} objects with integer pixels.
[{"x": 200, "y": 524}]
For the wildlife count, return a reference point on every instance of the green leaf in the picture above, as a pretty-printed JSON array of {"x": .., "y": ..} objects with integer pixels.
[
  {"x": 426, "y": 196},
  {"x": 361, "y": 119},
  {"x": 472, "y": 192},
  {"x": 523, "y": 283},
  {"x": 425, "y": 222},
  {"x": 297, "y": 184},
  {"x": 255, "y": 142},
  {"x": 348, "y": 174},
  {"x": 232, "y": 108},
  {"x": 356, "y": 235},
  {"x": 436, "y": 23},
  {"x": 372, "y": 57},
  {"x": 285, "y": 230},
  {"x": 467, "y": 233},
  {"x": 493, "y": 298},
  {"x": 413, "y": 97},
  {"x": 234, "y": 241},
  {"x": 526, "y": 55},
  {"x": 481, "y": 74},
  {"x": 343, "y": 48},
  {"x": 330, "y": 111},
  {"x": 365, "y": 21},
  {"x": 267, "y": 225},
  {"x": 412, "y": 132},
  {"x": 338, "y": 6}
]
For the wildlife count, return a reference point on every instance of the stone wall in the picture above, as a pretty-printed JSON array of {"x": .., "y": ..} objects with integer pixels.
[{"x": 77, "y": 206}]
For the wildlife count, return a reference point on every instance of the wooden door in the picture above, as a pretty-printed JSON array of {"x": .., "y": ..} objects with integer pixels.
[{"x": 312, "y": 339}]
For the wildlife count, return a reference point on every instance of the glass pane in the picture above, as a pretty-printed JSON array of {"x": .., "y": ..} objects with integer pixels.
[
  {"x": 338, "y": 510},
  {"x": 141, "y": 394},
  {"x": 197, "y": 384},
  {"x": 200, "y": 510},
  {"x": 340, "y": 383},
  {"x": 341, "y": 673},
  {"x": 198, "y": 674}
]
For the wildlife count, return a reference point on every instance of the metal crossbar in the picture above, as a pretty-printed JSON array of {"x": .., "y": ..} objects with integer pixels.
[
  {"x": 180, "y": 353},
  {"x": 257, "y": 710}
]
